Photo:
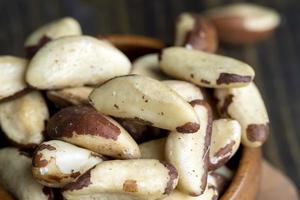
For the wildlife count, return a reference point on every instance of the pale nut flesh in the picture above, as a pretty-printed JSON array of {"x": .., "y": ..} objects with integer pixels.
[
  {"x": 147, "y": 100},
  {"x": 186, "y": 90},
  {"x": 23, "y": 119},
  {"x": 141, "y": 179},
  {"x": 148, "y": 65},
  {"x": 56, "y": 163},
  {"x": 195, "y": 32},
  {"x": 75, "y": 61},
  {"x": 245, "y": 105},
  {"x": 70, "y": 96},
  {"x": 12, "y": 72},
  {"x": 205, "y": 69},
  {"x": 210, "y": 193},
  {"x": 153, "y": 149},
  {"x": 189, "y": 153},
  {"x": 225, "y": 141},
  {"x": 16, "y": 176},
  {"x": 87, "y": 128},
  {"x": 63, "y": 27},
  {"x": 243, "y": 23}
]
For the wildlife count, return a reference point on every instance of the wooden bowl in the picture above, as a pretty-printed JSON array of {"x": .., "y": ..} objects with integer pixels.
[{"x": 245, "y": 183}]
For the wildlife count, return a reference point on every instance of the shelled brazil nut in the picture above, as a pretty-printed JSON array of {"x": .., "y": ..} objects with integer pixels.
[
  {"x": 147, "y": 100},
  {"x": 75, "y": 61},
  {"x": 87, "y": 128},
  {"x": 23, "y": 119},
  {"x": 246, "y": 105},
  {"x": 59, "y": 28},
  {"x": 196, "y": 32},
  {"x": 204, "y": 69},
  {"x": 57, "y": 163},
  {"x": 12, "y": 71}
]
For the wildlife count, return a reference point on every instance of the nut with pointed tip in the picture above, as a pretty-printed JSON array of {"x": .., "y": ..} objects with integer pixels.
[
  {"x": 23, "y": 119},
  {"x": 243, "y": 23},
  {"x": 56, "y": 163},
  {"x": 186, "y": 90},
  {"x": 148, "y": 65},
  {"x": 59, "y": 28},
  {"x": 75, "y": 61},
  {"x": 225, "y": 141},
  {"x": 12, "y": 72},
  {"x": 70, "y": 96},
  {"x": 205, "y": 69},
  {"x": 245, "y": 105},
  {"x": 196, "y": 32},
  {"x": 140, "y": 179},
  {"x": 189, "y": 153},
  {"x": 87, "y": 128},
  {"x": 145, "y": 99},
  {"x": 16, "y": 176}
]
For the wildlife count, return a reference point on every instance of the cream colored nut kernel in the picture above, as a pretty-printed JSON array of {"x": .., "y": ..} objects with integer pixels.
[
  {"x": 87, "y": 128},
  {"x": 63, "y": 27},
  {"x": 148, "y": 65},
  {"x": 16, "y": 176},
  {"x": 243, "y": 23},
  {"x": 56, "y": 163},
  {"x": 142, "y": 179},
  {"x": 204, "y": 69},
  {"x": 186, "y": 90},
  {"x": 196, "y": 32},
  {"x": 210, "y": 193},
  {"x": 147, "y": 100},
  {"x": 12, "y": 72},
  {"x": 75, "y": 61},
  {"x": 153, "y": 149},
  {"x": 23, "y": 119},
  {"x": 245, "y": 105},
  {"x": 70, "y": 96},
  {"x": 189, "y": 153},
  {"x": 225, "y": 141}
]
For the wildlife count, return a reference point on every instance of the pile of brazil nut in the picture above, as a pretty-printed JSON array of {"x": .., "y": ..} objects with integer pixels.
[{"x": 162, "y": 127}]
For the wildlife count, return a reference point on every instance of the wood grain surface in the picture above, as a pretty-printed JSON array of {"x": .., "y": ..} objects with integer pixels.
[{"x": 276, "y": 60}]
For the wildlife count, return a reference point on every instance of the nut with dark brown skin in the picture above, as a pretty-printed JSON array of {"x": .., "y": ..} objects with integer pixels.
[
  {"x": 23, "y": 119},
  {"x": 205, "y": 69},
  {"x": 12, "y": 72},
  {"x": 243, "y": 23},
  {"x": 56, "y": 163},
  {"x": 225, "y": 141},
  {"x": 70, "y": 96},
  {"x": 16, "y": 176},
  {"x": 196, "y": 32},
  {"x": 139, "y": 179},
  {"x": 246, "y": 105},
  {"x": 63, "y": 27},
  {"x": 145, "y": 99},
  {"x": 189, "y": 153},
  {"x": 87, "y": 128}
]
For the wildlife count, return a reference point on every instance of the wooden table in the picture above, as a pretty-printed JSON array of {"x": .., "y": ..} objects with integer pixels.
[{"x": 276, "y": 61}]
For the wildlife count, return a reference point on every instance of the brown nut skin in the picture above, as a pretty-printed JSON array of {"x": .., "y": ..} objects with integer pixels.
[
  {"x": 87, "y": 128},
  {"x": 196, "y": 32},
  {"x": 141, "y": 179},
  {"x": 243, "y": 23}
]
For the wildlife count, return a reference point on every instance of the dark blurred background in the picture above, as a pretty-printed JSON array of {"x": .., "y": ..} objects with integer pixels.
[{"x": 276, "y": 60}]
